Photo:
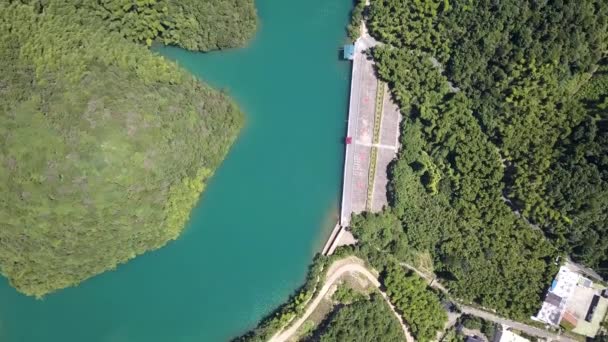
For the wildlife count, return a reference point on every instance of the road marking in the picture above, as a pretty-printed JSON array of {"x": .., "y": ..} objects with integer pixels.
[{"x": 388, "y": 147}]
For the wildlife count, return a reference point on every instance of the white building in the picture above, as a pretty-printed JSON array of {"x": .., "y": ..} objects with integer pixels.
[
  {"x": 561, "y": 290},
  {"x": 574, "y": 302}
]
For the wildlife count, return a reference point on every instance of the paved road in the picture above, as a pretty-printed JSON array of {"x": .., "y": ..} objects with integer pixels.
[
  {"x": 534, "y": 331},
  {"x": 388, "y": 147},
  {"x": 516, "y": 325},
  {"x": 338, "y": 269}
]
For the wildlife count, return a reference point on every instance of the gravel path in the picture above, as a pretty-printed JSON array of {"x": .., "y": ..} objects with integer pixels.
[{"x": 338, "y": 269}]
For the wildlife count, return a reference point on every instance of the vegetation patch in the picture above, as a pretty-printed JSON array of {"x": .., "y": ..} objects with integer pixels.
[
  {"x": 354, "y": 27},
  {"x": 379, "y": 104},
  {"x": 453, "y": 335},
  {"x": 347, "y": 295},
  {"x": 373, "y": 161},
  {"x": 191, "y": 24},
  {"x": 419, "y": 305},
  {"x": 487, "y": 328},
  {"x": 363, "y": 320}
]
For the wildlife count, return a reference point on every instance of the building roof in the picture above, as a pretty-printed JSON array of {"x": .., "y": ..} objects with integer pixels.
[
  {"x": 508, "y": 336},
  {"x": 560, "y": 291},
  {"x": 554, "y": 299},
  {"x": 591, "y": 310},
  {"x": 349, "y": 51},
  {"x": 585, "y": 282},
  {"x": 566, "y": 282},
  {"x": 549, "y": 313},
  {"x": 474, "y": 339},
  {"x": 570, "y": 318}
]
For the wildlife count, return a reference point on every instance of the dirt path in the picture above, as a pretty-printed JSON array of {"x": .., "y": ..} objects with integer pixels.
[
  {"x": 356, "y": 265},
  {"x": 432, "y": 281},
  {"x": 335, "y": 271}
]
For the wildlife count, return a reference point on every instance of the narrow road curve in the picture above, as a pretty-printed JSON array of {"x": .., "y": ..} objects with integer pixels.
[{"x": 338, "y": 269}]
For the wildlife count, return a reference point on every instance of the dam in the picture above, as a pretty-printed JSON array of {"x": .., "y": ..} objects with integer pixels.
[{"x": 372, "y": 142}]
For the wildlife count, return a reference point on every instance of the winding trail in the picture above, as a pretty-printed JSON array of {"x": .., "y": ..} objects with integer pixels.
[
  {"x": 335, "y": 271},
  {"x": 356, "y": 265}
]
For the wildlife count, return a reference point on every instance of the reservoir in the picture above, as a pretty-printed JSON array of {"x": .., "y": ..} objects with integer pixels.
[{"x": 262, "y": 217}]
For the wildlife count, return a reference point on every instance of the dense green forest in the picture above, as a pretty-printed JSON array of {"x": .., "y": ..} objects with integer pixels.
[
  {"x": 361, "y": 321},
  {"x": 419, "y": 305},
  {"x": 487, "y": 328},
  {"x": 105, "y": 147},
  {"x": 200, "y": 25},
  {"x": 503, "y": 165}
]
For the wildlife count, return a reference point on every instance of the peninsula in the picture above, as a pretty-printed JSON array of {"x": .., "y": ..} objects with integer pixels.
[{"x": 105, "y": 146}]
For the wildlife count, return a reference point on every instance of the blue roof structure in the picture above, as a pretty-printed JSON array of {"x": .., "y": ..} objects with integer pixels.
[{"x": 349, "y": 52}]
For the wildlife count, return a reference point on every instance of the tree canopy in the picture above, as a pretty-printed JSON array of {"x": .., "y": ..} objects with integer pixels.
[
  {"x": 105, "y": 147},
  {"x": 362, "y": 321},
  {"x": 192, "y": 24},
  {"x": 420, "y": 306},
  {"x": 503, "y": 159}
]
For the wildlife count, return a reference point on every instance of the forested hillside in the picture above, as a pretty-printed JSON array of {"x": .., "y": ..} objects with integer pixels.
[
  {"x": 503, "y": 165},
  {"x": 419, "y": 306},
  {"x": 105, "y": 147},
  {"x": 199, "y": 25}
]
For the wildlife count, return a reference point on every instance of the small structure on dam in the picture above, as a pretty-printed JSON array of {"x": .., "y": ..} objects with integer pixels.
[{"x": 349, "y": 52}]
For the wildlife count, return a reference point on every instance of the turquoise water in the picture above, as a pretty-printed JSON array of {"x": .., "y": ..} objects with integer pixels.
[{"x": 262, "y": 217}]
